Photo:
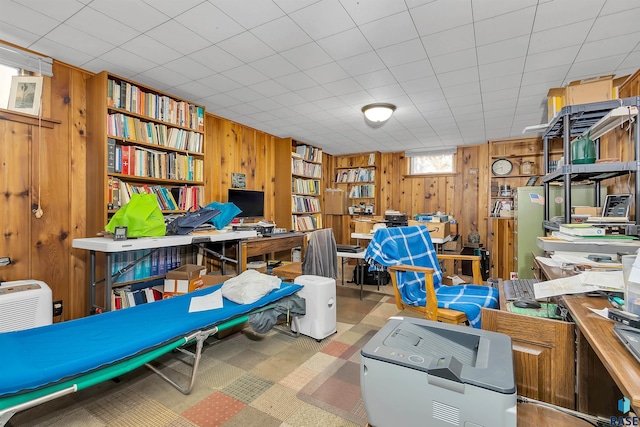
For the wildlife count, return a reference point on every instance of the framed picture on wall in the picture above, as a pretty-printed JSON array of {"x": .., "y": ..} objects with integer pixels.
[{"x": 25, "y": 94}]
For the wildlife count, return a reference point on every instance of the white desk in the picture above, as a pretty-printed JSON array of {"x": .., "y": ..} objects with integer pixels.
[{"x": 109, "y": 247}]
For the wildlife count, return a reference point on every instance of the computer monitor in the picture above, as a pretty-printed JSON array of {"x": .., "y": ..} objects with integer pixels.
[{"x": 250, "y": 202}]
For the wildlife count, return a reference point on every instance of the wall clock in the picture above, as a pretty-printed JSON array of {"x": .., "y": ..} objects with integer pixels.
[{"x": 502, "y": 167}]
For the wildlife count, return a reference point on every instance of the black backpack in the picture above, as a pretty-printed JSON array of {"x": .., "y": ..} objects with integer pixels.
[{"x": 191, "y": 220}]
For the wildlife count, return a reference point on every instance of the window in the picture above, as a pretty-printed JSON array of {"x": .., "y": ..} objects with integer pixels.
[
  {"x": 432, "y": 163},
  {"x": 6, "y": 73}
]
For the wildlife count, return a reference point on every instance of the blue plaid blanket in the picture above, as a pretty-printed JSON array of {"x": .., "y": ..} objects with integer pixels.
[{"x": 412, "y": 246}]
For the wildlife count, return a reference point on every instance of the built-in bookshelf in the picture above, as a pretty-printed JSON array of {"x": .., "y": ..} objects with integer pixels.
[
  {"x": 299, "y": 209},
  {"x": 357, "y": 175},
  {"x": 140, "y": 140}
]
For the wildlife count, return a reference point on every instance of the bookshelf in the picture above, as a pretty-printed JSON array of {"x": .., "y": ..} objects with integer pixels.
[
  {"x": 141, "y": 140},
  {"x": 298, "y": 186},
  {"x": 358, "y": 175}
]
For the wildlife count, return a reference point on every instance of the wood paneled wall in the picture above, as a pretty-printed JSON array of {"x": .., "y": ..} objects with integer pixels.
[{"x": 50, "y": 165}]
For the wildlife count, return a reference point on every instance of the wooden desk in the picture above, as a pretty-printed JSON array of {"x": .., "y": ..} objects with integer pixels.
[
  {"x": 606, "y": 371},
  {"x": 543, "y": 353},
  {"x": 267, "y": 245}
]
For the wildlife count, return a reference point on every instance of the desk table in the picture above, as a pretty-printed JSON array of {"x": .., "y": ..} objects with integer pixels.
[
  {"x": 275, "y": 243},
  {"x": 109, "y": 247},
  {"x": 357, "y": 256}
]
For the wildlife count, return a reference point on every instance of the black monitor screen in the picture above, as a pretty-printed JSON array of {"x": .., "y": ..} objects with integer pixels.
[{"x": 251, "y": 202}]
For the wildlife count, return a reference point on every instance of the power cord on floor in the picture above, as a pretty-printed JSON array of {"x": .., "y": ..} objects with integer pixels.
[{"x": 591, "y": 419}]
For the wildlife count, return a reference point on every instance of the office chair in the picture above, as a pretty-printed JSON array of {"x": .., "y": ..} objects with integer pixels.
[
  {"x": 410, "y": 257},
  {"x": 320, "y": 258}
]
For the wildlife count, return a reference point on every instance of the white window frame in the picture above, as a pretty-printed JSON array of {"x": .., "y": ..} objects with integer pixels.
[{"x": 434, "y": 158}]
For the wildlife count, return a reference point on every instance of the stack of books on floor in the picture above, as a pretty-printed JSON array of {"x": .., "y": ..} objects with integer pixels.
[{"x": 582, "y": 232}]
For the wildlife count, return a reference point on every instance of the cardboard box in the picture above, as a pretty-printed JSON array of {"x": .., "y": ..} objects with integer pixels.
[
  {"x": 212, "y": 280},
  {"x": 184, "y": 279},
  {"x": 335, "y": 201},
  {"x": 365, "y": 226},
  {"x": 585, "y": 91},
  {"x": 587, "y": 210},
  {"x": 455, "y": 244},
  {"x": 438, "y": 230}
]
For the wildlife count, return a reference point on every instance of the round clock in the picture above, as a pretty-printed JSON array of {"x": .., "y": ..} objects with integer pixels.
[{"x": 502, "y": 167}]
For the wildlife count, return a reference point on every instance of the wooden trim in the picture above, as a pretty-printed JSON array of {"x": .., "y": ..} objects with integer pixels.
[{"x": 28, "y": 119}]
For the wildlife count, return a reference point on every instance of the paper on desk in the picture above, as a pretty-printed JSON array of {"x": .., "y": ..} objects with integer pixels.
[
  {"x": 206, "y": 302},
  {"x": 547, "y": 261},
  {"x": 572, "y": 258},
  {"x": 602, "y": 312},
  {"x": 589, "y": 281}
]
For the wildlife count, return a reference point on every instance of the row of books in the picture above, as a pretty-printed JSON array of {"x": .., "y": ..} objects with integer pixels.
[
  {"x": 306, "y": 222},
  {"x": 150, "y": 263},
  {"x": 134, "y": 129},
  {"x": 300, "y": 167},
  {"x": 361, "y": 191},
  {"x": 309, "y": 153},
  {"x": 124, "y": 297},
  {"x": 131, "y": 98},
  {"x": 305, "y": 204},
  {"x": 356, "y": 175},
  {"x": 137, "y": 161},
  {"x": 305, "y": 186},
  {"x": 169, "y": 198}
]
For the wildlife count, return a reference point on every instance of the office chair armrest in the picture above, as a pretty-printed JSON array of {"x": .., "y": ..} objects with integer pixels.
[
  {"x": 431, "y": 302},
  {"x": 475, "y": 264}
]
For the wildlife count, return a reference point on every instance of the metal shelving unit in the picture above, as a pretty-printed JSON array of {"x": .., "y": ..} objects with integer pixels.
[{"x": 575, "y": 120}]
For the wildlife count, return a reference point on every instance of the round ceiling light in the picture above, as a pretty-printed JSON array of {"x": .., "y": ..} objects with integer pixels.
[{"x": 379, "y": 112}]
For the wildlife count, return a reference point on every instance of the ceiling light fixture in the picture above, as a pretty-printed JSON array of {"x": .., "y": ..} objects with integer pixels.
[{"x": 379, "y": 112}]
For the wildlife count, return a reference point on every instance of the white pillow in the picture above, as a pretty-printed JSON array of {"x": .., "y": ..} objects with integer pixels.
[{"x": 249, "y": 286}]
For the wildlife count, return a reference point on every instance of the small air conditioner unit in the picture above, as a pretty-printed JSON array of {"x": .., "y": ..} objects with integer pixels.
[{"x": 25, "y": 304}]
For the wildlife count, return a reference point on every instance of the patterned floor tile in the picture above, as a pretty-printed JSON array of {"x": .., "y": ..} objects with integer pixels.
[
  {"x": 247, "y": 388},
  {"x": 336, "y": 348},
  {"x": 278, "y": 401},
  {"x": 309, "y": 416},
  {"x": 213, "y": 411},
  {"x": 298, "y": 378}
]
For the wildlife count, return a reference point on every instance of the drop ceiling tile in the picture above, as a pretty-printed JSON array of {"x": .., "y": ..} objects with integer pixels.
[
  {"x": 363, "y": 12},
  {"x": 615, "y": 25},
  {"x": 502, "y": 68},
  {"x": 130, "y": 61},
  {"x": 314, "y": 93},
  {"x": 462, "y": 90},
  {"x": 458, "y": 77},
  {"x": 289, "y": 99},
  {"x": 245, "y": 75},
  {"x": 330, "y": 103},
  {"x": 223, "y": 100},
  {"x": 630, "y": 63},
  {"x": 361, "y": 64},
  {"x": 192, "y": 90},
  {"x": 216, "y": 59},
  {"x": 132, "y": 13},
  {"x": 375, "y": 79},
  {"x": 170, "y": 8},
  {"x": 412, "y": 71},
  {"x": 345, "y": 44},
  {"x": 612, "y": 46},
  {"x": 59, "y": 10},
  {"x": 595, "y": 67},
  {"x": 164, "y": 74},
  {"x": 322, "y": 19},
  {"x": 220, "y": 82},
  {"x": 62, "y": 52},
  {"x": 402, "y": 53},
  {"x": 555, "y": 76},
  {"x": 439, "y": 16},
  {"x": 509, "y": 95},
  {"x": 327, "y": 73},
  {"x": 243, "y": 109},
  {"x": 244, "y": 94},
  {"x": 72, "y": 37},
  {"x": 453, "y": 40},
  {"x": 90, "y": 21},
  {"x": 246, "y": 47},
  {"x": 515, "y": 47},
  {"x": 378, "y": 34},
  {"x": 200, "y": 18},
  {"x": 281, "y": 34},
  {"x": 505, "y": 27},
  {"x": 555, "y": 14},
  {"x": 488, "y": 9},
  {"x": 389, "y": 92},
  {"x": 18, "y": 36},
  {"x": 151, "y": 49},
  {"x": 558, "y": 38},
  {"x": 250, "y": 13},
  {"x": 174, "y": 34},
  {"x": 503, "y": 82},
  {"x": 296, "y": 81},
  {"x": 552, "y": 58},
  {"x": 343, "y": 87},
  {"x": 14, "y": 13},
  {"x": 274, "y": 66},
  {"x": 307, "y": 56},
  {"x": 454, "y": 61},
  {"x": 269, "y": 88},
  {"x": 190, "y": 68},
  {"x": 265, "y": 104},
  {"x": 292, "y": 5}
]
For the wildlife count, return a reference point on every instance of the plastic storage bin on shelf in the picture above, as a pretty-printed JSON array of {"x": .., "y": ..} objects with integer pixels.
[{"x": 320, "y": 319}]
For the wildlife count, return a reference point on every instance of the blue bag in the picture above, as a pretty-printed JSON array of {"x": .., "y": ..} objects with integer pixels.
[{"x": 228, "y": 211}]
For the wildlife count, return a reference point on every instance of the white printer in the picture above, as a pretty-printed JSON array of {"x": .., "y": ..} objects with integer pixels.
[{"x": 417, "y": 372}]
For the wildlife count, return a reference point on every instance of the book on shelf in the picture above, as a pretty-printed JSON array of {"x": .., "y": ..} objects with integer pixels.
[{"x": 111, "y": 155}]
